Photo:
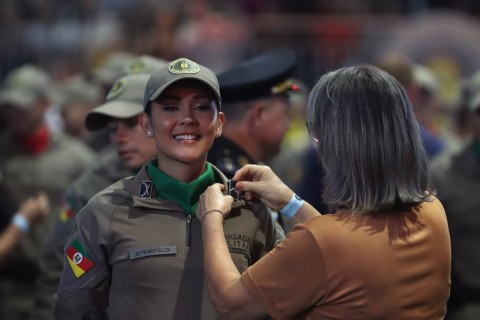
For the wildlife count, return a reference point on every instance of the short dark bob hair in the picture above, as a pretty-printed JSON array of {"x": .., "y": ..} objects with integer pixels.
[{"x": 368, "y": 142}]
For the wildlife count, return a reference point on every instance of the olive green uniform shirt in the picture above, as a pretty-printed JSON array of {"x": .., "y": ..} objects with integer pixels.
[
  {"x": 141, "y": 257},
  {"x": 96, "y": 177}
]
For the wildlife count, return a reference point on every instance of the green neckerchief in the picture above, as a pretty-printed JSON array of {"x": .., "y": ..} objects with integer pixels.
[{"x": 185, "y": 194}]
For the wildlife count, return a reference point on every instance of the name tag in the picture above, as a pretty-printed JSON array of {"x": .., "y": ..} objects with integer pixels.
[{"x": 154, "y": 251}]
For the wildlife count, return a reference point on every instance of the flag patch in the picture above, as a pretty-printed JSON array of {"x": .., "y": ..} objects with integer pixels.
[
  {"x": 78, "y": 258},
  {"x": 66, "y": 213}
]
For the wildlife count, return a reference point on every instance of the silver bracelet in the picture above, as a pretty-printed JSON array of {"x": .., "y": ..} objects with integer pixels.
[{"x": 214, "y": 210}]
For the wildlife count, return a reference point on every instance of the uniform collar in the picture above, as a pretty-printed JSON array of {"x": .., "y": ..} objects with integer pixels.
[
  {"x": 144, "y": 194},
  {"x": 183, "y": 193}
]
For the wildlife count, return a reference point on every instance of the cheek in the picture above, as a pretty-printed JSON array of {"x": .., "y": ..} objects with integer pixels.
[
  {"x": 208, "y": 122},
  {"x": 283, "y": 122},
  {"x": 164, "y": 125}
]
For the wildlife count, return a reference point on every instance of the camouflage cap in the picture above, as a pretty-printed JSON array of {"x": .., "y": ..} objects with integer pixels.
[
  {"x": 124, "y": 100},
  {"x": 174, "y": 71},
  {"x": 24, "y": 86},
  {"x": 144, "y": 64}
]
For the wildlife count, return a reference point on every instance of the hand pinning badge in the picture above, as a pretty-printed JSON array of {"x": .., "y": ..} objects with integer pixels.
[{"x": 238, "y": 200}]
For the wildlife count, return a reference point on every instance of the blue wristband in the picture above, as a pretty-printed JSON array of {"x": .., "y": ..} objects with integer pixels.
[
  {"x": 292, "y": 207},
  {"x": 21, "y": 222}
]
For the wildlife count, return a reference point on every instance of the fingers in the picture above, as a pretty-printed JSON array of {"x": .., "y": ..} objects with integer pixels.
[
  {"x": 247, "y": 186},
  {"x": 216, "y": 187},
  {"x": 250, "y": 172},
  {"x": 213, "y": 198}
]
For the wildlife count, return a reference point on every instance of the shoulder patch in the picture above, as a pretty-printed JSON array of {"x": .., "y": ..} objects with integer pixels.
[
  {"x": 78, "y": 258},
  {"x": 66, "y": 212}
]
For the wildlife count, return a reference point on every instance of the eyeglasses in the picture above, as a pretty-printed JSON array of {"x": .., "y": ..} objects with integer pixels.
[{"x": 311, "y": 130}]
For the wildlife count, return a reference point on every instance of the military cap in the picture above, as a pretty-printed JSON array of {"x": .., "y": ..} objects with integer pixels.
[
  {"x": 174, "y": 71},
  {"x": 124, "y": 100},
  {"x": 76, "y": 89},
  {"x": 144, "y": 64},
  {"x": 264, "y": 75},
  {"x": 112, "y": 67},
  {"x": 24, "y": 86}
]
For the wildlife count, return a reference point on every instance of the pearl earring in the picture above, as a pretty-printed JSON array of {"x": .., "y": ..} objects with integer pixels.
[{"x": 149, "y": 133}]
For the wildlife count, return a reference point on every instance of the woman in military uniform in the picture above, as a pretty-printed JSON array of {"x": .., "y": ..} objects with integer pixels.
[{"x": 137, "y": 252}]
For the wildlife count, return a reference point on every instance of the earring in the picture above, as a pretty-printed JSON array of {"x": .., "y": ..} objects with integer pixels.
[{"x": 149, "y": 133}]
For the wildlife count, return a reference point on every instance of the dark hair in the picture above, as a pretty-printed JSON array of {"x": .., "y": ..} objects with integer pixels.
[{"x": 369, "y": 142}]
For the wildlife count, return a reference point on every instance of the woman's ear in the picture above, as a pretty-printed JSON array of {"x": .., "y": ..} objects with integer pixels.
[
  {"x": 220, "y": 123},
  {"x": 144, "y": 120}
]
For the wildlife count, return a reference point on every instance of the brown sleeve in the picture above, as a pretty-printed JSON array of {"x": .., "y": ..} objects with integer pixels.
[{"x": 291, "y": 278}]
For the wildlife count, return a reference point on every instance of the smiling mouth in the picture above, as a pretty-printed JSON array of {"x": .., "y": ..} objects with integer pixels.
[{"x": 180, "y": 137}]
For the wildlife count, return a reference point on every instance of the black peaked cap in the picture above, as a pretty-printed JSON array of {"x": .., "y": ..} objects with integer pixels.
[{"x": 255, "y": 78}]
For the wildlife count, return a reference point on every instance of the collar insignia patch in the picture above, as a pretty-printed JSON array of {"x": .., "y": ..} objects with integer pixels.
[{"x": 146, "y": 187}]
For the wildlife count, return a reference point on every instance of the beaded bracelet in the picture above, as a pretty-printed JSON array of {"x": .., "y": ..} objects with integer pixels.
[
  {"x": 292, "y": 207},
  {"x": 214, "y": 210},
  {"x": 21, "y": 222}
]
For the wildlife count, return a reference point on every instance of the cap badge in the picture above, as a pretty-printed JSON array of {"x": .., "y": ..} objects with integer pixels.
[
  {"x": 182, "y": 66},
  {"x": 117, "y": 88},
  {"x": 137, "y": 66},
  {"x": 284, "y": 86}
]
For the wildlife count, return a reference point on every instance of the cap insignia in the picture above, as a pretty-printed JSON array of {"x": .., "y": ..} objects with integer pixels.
[
  {"x": 182, "y": 66},
  {"x": 284, "y": 86},
  {"x": 137, "y": 66},
  {"x": 117, "y": 88}
]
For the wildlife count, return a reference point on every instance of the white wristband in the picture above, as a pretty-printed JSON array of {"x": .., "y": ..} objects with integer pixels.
[
  {"x": 21, "y": 222},
  {"x": 292, "y": 207}
]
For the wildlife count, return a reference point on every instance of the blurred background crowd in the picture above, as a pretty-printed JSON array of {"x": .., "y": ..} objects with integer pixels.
[{"x": 431, "y": 47}]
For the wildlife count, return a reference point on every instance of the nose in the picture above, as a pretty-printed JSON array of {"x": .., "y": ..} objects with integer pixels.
[{"x": 187, "y": 118}]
